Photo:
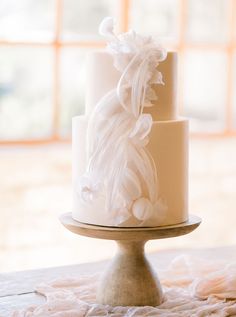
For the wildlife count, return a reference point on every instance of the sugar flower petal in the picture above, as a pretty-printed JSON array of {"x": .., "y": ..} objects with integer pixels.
[
  {"x": 106, "y": 27},
  {"x": 142, "y": 127},
  {"x": 88, "y": 189},
  {"x": 142, "y": 209}
]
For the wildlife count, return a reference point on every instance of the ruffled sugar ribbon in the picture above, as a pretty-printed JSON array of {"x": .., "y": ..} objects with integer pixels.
[
  {"x": 138, "y": 87},
  {"x": 118, "y": 132}
]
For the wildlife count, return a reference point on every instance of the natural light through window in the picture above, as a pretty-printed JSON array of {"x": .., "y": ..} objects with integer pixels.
[{"x": 43, "y": 45}]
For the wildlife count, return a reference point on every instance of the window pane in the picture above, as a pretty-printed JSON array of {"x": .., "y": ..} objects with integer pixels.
[
  {"x": 234, "y": 92},
  {"x": 27, "y": 20},
  {"x": 25, "y": 92},
  {"x": 208, "y": 21},
  {"x": 72, "y": 80},
  {"x": 81, "y": 18},
  {"x": 156, "y": 17},
  {"x": 205, "y": 89}
]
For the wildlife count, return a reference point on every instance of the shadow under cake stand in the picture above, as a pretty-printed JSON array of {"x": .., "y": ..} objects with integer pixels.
[{"x": 129, "y": 280}]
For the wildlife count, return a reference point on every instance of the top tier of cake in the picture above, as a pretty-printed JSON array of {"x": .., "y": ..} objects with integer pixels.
[{"x": 102, "y": 77}]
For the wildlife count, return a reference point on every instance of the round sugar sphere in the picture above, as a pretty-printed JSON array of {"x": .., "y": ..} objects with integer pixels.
[{"x": 142, "y": 209}]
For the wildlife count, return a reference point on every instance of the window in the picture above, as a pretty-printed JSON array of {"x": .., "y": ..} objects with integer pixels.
[{"x": 43, "y": 45}]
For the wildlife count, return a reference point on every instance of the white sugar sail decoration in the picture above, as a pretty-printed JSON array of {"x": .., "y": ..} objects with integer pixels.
[{"x": 119, "y": 165}]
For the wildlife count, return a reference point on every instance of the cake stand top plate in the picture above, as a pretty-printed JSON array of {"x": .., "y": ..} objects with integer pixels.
[{"x": 128, "y": 233}]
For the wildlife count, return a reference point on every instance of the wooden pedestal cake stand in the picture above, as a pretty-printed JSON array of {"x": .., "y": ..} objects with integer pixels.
[{"x": 129, "y": 279}]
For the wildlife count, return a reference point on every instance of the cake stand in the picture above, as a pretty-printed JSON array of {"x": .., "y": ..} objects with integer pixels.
[{"x": 129, "y": 280}]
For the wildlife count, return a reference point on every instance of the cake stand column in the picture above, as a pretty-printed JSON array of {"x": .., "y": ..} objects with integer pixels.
[{"x": 129, "y": 279}]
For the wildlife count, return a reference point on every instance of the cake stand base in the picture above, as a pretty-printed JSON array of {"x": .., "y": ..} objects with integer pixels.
[{"x": 129, "y": 280}]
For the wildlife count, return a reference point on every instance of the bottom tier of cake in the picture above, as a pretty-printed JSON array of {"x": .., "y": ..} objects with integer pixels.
[{"x": 168, "y": 146}]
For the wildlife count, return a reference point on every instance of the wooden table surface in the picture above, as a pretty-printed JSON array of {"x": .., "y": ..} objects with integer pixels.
[{"x": 17, "y": 288}]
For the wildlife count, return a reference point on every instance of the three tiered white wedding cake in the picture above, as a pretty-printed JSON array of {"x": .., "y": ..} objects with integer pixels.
[{"x": 130, "y": 149}]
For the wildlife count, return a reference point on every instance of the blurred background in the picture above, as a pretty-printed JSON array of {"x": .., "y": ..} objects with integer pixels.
[{"x": 43, "y": 46}]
